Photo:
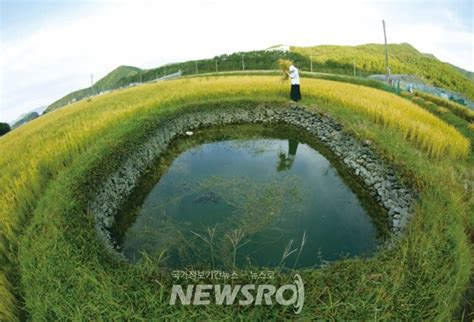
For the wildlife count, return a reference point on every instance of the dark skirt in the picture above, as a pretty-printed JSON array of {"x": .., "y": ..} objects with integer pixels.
[{"x": 295, "y": 93}]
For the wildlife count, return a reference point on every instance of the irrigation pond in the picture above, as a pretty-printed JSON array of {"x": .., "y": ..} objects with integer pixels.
[{"x": 246, "y": 196}]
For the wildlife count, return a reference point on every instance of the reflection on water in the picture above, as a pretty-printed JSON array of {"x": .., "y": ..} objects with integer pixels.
[
  {"x": 248, "y": 201},
  {"x": 286, "y": 160}
]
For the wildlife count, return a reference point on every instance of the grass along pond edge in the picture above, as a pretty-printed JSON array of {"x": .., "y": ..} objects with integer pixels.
[
  {"x": 380, "y": 180},
  {"x": 61, "y": 240}
]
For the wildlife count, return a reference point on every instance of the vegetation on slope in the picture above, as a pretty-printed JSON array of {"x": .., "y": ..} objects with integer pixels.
[
  {"x": 332, "y": 77},
  {"x": 255, "y": 60},
  {"x": 25, "y": 119},
  {"x": 369, "y": 59},
  {"x": 108, "y": 82},
  {"x": 54, "y": 164},
  {"x": 70, "y": 98},
  {"x": 454, "y": 107},
  {"x": 464, "y": 126},
  {"x": 403, "y": 59},
  {"x": 111, "y": 80},
  {"x": 466, "y": 73}
]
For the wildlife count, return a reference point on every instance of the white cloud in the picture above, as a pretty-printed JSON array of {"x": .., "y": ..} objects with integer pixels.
[{"x": 62, "y": 54}]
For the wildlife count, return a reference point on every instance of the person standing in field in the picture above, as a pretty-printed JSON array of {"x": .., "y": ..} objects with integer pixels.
[{"x": 295, "y": 93}]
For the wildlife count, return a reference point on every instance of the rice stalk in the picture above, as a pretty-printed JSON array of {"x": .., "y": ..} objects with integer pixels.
[
  {"x": 303, "y": 241},
  {"x": 287, "y": 252}
]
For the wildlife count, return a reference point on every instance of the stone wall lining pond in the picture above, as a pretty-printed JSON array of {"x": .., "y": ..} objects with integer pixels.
[{"x": 379, "y": 178}]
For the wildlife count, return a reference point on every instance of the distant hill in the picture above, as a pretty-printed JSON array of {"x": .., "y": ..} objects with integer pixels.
[
  {"x": 369, "y": 59},
  {"x": 403, "y": 59},
  {"x": 108, "y": 82},
  {"x": 38, "y": 110},
  {"x": 466, "y": 73},
  {"x": 25, "y": 118}
]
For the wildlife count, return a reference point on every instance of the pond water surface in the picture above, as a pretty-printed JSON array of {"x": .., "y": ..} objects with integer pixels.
[{"x": 247, "y": 195}]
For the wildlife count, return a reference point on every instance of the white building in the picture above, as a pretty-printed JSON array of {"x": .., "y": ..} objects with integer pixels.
[{"x": 283, "y": 48}]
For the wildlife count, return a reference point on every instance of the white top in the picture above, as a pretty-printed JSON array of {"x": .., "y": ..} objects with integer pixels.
[{"x": 294, "y": 76}]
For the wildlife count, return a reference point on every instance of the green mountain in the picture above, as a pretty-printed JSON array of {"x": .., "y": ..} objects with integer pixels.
[
  {"x": 25, "y": 119},
  {"x": 403, "y": 59},
  {"x": 108, "y": 82},
  {"x": 466, "y": 73}
]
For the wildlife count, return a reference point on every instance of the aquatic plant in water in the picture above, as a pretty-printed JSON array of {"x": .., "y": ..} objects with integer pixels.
[{"x": 255, "y": 206}]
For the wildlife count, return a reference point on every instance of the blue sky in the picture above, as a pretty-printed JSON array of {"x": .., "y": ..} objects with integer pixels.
[
  {"x": 49, "y": 48},
  {"x": 20, "y": 17}
]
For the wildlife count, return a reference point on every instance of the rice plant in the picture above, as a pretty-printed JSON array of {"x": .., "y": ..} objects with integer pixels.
[
  {"x": 303, "y": 242},
  {"x": 458, "y": 109},
  {"x": 209, "y": 240},
  {"x": 235, "y": 237},
  {"x": 34, "y": 156},
  {"x": 442, "y": 110},
  {"x": 284, "y": 65},
  {"x": 287, "y": 252}
]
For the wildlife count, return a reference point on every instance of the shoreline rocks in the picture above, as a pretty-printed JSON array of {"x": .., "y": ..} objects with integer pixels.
[{"x": 379, "y": 179}]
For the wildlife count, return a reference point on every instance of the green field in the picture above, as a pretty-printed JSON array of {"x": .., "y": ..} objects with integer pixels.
[{"x": 55, "y": 268}]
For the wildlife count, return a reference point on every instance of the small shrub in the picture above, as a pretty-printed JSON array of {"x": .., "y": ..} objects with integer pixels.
[
  {"x": 441, "y": 109},
  {"x": 419, "y": 101},
  {"x": 4, "y": 128}
]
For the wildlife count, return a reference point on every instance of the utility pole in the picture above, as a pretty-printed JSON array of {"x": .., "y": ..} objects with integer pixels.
[
  {"x": 197, "y": 72},
  {"x": 243, "y": 62},
  {"x": 386, "y": 51},
  {"x": 311, "y": 63},
  {"x": 217, "y": 69}
]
